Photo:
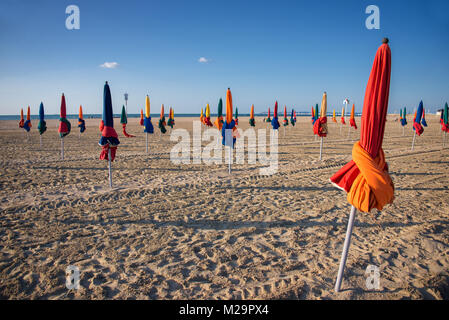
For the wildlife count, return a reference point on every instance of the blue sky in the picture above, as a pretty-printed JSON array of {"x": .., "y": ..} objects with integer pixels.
[{"x": 290, "y": 51}]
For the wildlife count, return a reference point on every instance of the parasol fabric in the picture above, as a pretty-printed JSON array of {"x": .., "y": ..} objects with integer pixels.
[
  {"x": 64, "y": 124},
  {"x": 162, "y": 122},
  {"x": 423, "y": 118},
  {"x": 141, "y": 117},
  {"x": 417, "y": 120},
  {"x": 404, "y": 118},
  {"x": 148, "y": 126},
  {"x": 42, "y": 126},
  {"x": 202, "y": 116},
  {"x": 252, "y": 121},
  {"x": 445, "y": 119},
  {"x": 342, "y": 119},
  {"x": 81, "y": 122},
  {"x": 109, "y": 137},
  {"x": 292, "y": 118},
  {"x": 229, "y": 123},
  {"x": 352, "y": 117},
  {"x": 313, "y": 116},
  {"x": 320, "y": 125},
  {"x": 269, "y": 116},
  {"x": 275, "y": 121},
  {"x": 124, "y": 122},
  {"x": 366, "y": 177},
  {"x": 334, "y": 119},
  {"x": 27, "y": 124},
  {"x": 171, "y": 118},
  {"x": 236, "y": 115},
  {"x": 207, "y": 117},
  {"x": 285, "y": 121},
  {"x": 219, "y": 121},
  {"x": 22, "y": 121}
]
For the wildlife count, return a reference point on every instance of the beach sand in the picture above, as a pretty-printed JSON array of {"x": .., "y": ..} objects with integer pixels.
[{"x": 193, "y": 231}]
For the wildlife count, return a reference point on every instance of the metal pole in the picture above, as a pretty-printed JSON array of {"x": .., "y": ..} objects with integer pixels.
[
  {"x": 344, "y": 254},
  {"x": 444, "y": 139},
  {"x": 62, "y": 148},
  {"x": 321, "y": 148},
  {"x": 230, "y": 158},
  {"x": 110, "y": 169},
  {"x": 413, "y": 142},
  {"x": 146, "y": 139},
  {"x": 403, "y": 131},
  {"x": 40, "y": 139}
]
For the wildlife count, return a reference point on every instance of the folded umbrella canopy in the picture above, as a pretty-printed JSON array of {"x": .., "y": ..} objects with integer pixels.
[
  {"x": 207, "y": 117},
  {"x": 285, "y": 121},
  {"x": 366, "y": 177},
  {"x": 252, "y": 121},
  {"x": 81, "y": 122},
  {"x": 423, "y": 118},
  {"x": 352, "y": 117},
  {"x": 417, "y": 121},
  {"x": 124, "y": 122},
  {"x": 334, "y": 119},
  {"x": 171, "y": 118},
  {"x": 22, "y": 121},
  {"x": 313, "y": 116},
  {"x": 42, "y": 126},
  {"x": 162, "y": 122},
  {"x": 317, "y": 113},
  {"x": 275, "y": 122},
  {"x": 64, "y": 124},
  {"x": 219, "y": 121},
  {"x": 342, "y": 119},
  {"x": 269, "y": 116},
  {"x": 202, "y": 116},
  {"x": 320, "y": 125},
  {"x": 229, "y": 123},
  {"x": 148, "y": 126},
  {"x": 141, "y": 117},
  {"x": 404, "y": 117},
  {"x": 292, "y": 118},
  {"x": 27, "y": 124},
  {"x": 445, "y": 119},
  {"x": 236, "y": 115},
  {"x": 109, "y": 138}
]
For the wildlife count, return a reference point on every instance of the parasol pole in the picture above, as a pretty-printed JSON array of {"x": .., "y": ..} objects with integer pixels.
[
  {"x": 146, "y": 139},
  {"x": 444, "y": 139},
  {"x": 40, "y": 140},
  {"x": 344, "y": 254},
  {"x": 62, "y": 148},
  {"x": 110, "y": 168},
  {"x": 413, "y": 142},
  {"x": 230, "y": 159},
  {"x": 403, "y": 131},
  {"x": 349, "y": 130},
  {"x": 321, "y": 148}
]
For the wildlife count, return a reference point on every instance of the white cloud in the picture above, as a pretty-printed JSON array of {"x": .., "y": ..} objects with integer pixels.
[
  {"x": 109, "y": 65},
  {"x": 203, "y": 60}
]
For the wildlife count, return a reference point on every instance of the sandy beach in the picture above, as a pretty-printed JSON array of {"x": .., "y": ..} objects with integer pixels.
[{"x": 168, "y": 231}]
